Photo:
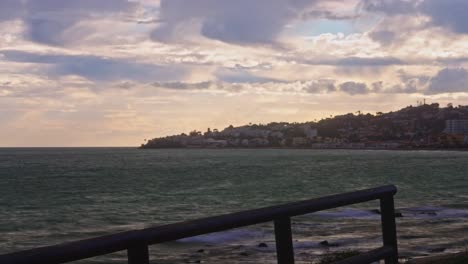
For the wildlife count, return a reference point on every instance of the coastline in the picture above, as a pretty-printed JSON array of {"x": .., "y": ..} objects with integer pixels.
[{"x": 322, "y": 148}]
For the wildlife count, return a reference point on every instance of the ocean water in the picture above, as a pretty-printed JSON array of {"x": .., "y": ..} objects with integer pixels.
[{"x": 55, "y": 195}]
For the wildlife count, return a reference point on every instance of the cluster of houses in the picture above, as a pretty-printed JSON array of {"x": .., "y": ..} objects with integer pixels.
[
  {"x": 411, "y": 127},
  {"x": 455, "y": 133},
  {"x": 251, "y": 136}
]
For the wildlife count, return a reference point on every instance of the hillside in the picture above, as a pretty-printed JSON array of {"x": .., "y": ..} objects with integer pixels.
[{"x": 410, "y": 127}]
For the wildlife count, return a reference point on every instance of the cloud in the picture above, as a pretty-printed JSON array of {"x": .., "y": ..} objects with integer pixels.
[
  {"x": 377, "y": 87},
  {"x": 408, "y": 88},
  {"x": 240, "y": 74},
  {"x": 327, "y": 14},
  {"x": 320, "y": 86},
  {"x": 354, "y": 88},
  {"x": 354, "y": 61},
  {"x": 385, "y": 37},
  {"x": 390, "y": 7},
  {"x": 206, "y": 85},
  {"x": 185, "y": 86},
  {"x": 375, "y": 61},
  {"x": 96, "y": 68},
  {"x": 240, "y": 22},
  {"x": 10, "y": 9},
  {"x": 405, "y": 77},
  {"x": 49, "y": 21},
  {"x": 397, "y": 28},
  {"x": 449, "y": 80},
  {"x": 448, "y": 14}
]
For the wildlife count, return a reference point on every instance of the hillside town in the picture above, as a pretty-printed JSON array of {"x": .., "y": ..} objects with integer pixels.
[{"x": 426, "y": 126}]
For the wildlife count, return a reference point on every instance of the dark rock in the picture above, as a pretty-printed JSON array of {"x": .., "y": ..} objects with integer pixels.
[
  {"x": 245, "y": 254},
  {"x": 437, "y": 250},
  {"x": 375, "y": 211},
  {"x": 328, "y": 244},
  {"x": 201, "y": 250},
  {"x": 428, "y": 212},
  {"x": 262, "y": 245}
]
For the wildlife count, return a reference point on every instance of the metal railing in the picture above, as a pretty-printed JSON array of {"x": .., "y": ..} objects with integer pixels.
[{"x": 136, "y": 242}]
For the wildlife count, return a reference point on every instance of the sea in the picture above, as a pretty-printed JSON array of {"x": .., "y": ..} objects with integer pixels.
[{"x": 56, "y": 195}]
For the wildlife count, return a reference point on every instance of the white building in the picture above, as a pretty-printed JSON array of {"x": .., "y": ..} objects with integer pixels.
[{"x": 456, "y": 127}]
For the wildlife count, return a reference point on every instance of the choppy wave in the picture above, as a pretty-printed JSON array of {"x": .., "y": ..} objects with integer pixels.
[{"x": 58, "y": 195}]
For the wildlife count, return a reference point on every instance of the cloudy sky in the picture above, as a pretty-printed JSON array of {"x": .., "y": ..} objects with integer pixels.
[{"x": 115, "y": 72}]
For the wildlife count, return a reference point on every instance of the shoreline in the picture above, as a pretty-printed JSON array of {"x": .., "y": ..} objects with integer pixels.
[{"x": 306, "y": 148}]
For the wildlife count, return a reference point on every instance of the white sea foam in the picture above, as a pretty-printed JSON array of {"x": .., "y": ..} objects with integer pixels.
[
  {"x": 434, "y": 212},
  {"x": 348, "y": 213},
  {"x": 224, "y": 237},
  {"x": 416, "y": 212}
]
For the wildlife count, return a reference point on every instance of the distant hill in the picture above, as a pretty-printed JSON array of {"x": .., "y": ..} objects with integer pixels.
[{"x": 412, "y": 126}]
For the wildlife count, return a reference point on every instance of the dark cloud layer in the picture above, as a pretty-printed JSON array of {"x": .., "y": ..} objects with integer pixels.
[
  {"x": 390, "y": 7},
  {"x": 96, "y": 68},
  {"x": 377, "y": 61},
  {"x": 449, "y": 14},
  {"x": 385, "y": 37},
  {"x": 10, "y": 9},
  {"x": 47, "y": 21},
  {"x": 321, "y": 86},
  {"x": 449, "y": 80},
  {"x": 240, "y": 75},
  {"x": 242, "y": 21},
  {"x": 354, "y": 88},
  {"x": 355, "y": 61},
  {"x": 184, "y": 86}
]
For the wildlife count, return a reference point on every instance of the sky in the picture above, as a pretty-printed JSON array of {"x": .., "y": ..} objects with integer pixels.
[{"x": 117, "y": 72}]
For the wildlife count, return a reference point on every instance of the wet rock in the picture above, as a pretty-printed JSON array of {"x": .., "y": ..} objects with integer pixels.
[
  {"x": 437, "y": 250},
  {"x": 328, "y": 244},
  {"x": 201, "y": 250},
  {"x": 377, "y": 211},
  {"x": 194, "y": 261},
  {"x": 262, "y": 245},
  {"x": 432, "y": 213},
  {"x": 245, "y": 254}
]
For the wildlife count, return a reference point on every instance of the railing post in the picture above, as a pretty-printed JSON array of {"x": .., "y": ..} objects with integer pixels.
[
  {"x": 283, "y": 237},
  {"x": 387, "y": 209},
  {"x": 138, "y": 255}
]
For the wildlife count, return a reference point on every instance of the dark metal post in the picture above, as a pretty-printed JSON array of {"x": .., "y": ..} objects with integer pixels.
[
  {"x": 138, "y": 255},
  {"x": 387, "y": 209},
  {"x": 284, "y": 245}
]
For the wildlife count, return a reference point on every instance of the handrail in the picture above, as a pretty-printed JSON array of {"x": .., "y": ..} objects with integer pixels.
[{"x": 136, "y": 242}]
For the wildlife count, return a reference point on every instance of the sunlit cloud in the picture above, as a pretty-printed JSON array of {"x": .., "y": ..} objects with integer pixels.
[{"x": 116, "y": 72}]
